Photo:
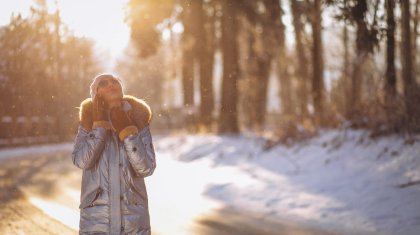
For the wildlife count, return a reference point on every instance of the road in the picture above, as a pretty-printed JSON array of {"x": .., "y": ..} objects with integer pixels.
[{"x": 39, "y": 194}]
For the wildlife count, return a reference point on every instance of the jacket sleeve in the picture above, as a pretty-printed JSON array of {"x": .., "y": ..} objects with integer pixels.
[
  {"x": 140, "y": 152},
  {"x": 88, "y": 146}
]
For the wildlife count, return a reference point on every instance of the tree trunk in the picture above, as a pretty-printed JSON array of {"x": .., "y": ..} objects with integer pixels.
[
  {"x": 250, "y": 89},
  {"x": 58, "y": 101},
  {"x": 263, "y": 68},
  {"x": 228, "y": 111},
  {"x": 346, "y": 66},
  {"x": 410, "y": 86},
  {"x": 318, "y": 89},
  {"x": 188, "y": 44},
  {"x": 354, "y": 111},
  {"x": 414, "y": 41},
  {"x": 206, "y": 58},
  {"x": 302, "y": 71},
  {"x": 187, "y": 77},
  {"x": 283, "y": 74},
  {"x": 390, "y": 75},
  {"x": 271, "y": 25}
]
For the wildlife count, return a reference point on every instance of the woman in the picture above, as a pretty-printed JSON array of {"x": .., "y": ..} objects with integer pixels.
[{"x": 114, "y": 149}]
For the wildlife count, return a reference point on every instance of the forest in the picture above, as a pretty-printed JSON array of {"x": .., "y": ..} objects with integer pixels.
[{"x": 220, "y": 59}]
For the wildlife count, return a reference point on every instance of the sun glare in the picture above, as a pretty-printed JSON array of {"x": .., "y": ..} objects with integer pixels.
[
  {"x": 178, "y": 28},
  {"x": 102, "y": 21}
]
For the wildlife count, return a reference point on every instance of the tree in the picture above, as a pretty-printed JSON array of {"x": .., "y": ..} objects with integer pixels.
[
  {"x": 206, "y": 37},
  {"x": 143, "y": 17},
  {"x": 298, "y": 9},
  {"x": 346, "y": 65},
  {"x": 410, "y": 86},
  {"x": 261, "y": 28},
  {"x": 197, "y": 43},
  {"x": 44, "y": 73},
  {"x": 390, "y": 75},
  {"x": 284, "y": 75},
  {"x": 359, "y": 12},
  {"x": 318, "y": 89},
  {"x": 189, "y": 49},
  {"x": 367, "y": 38},
  {"x": 228, "y": 119},
  {"x": 198, "y": 54},
  {"x": 270, "y": 37},
  {"x": 415, "y": 34}
]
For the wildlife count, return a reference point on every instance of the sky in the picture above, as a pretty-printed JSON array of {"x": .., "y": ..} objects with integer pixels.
[{"x": 100, "y": 20}]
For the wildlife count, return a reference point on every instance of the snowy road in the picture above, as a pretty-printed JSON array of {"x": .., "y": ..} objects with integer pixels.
[
  {"x": 342, "y": 182},
  {"x": 49, "y": 202}
]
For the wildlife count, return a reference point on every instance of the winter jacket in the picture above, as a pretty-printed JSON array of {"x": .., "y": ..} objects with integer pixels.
[{"x": 113, "y": 196}]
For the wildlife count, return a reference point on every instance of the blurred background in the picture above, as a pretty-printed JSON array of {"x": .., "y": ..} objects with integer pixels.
[{"x": 212, "y": 65}]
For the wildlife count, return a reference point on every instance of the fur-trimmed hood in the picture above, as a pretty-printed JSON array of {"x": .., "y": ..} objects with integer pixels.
[{"x": 137, "y": 109}]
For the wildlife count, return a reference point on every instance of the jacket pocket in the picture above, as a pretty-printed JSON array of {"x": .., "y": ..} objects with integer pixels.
[
  {"x": 138, "y": 187},
  {"x": 134, "y": 198},
  {"x": 90, "y": 199}
]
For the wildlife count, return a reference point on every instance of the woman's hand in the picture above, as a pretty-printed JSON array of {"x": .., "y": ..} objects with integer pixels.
[
  {"x": 99, "y": 109},
  {"x": 122, "y": 123}
]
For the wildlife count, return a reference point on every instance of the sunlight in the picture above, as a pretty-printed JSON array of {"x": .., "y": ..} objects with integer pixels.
[
  {"x": 174, "y": 206},
  {"x": 178, "y": 28},
  {"x": 166, "y": 34},
  {"x": 102, "y": 21},
  {"x": 61, "y": 213},
  {"x": 6, "y": 10}
]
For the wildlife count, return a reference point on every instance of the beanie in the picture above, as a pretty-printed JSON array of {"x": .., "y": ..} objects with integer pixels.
[{"x": 97, "y": 79}]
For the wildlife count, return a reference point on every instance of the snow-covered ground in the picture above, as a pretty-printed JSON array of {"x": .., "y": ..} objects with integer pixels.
[
  {"x": 33, "y": 151},
  {"x": 339, "y": 180}
]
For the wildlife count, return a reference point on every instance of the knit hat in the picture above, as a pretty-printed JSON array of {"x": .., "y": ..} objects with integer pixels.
[{"x": 97, "y": 79}]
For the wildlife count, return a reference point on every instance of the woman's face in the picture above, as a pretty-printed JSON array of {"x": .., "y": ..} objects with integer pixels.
[{"x": 110, "y": 90}]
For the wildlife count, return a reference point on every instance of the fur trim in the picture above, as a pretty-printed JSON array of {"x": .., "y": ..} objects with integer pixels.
[
  {"x": 85, "y": 114},
  {"x": 138, "y": 111}
]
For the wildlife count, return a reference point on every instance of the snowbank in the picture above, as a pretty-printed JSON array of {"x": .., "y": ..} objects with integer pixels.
[{"x": 340, "y": 180}]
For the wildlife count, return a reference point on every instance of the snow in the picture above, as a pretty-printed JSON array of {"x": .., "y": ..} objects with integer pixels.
[
  {"x": 34, "y": 151},
  {"x": 342, "y": 181}
]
